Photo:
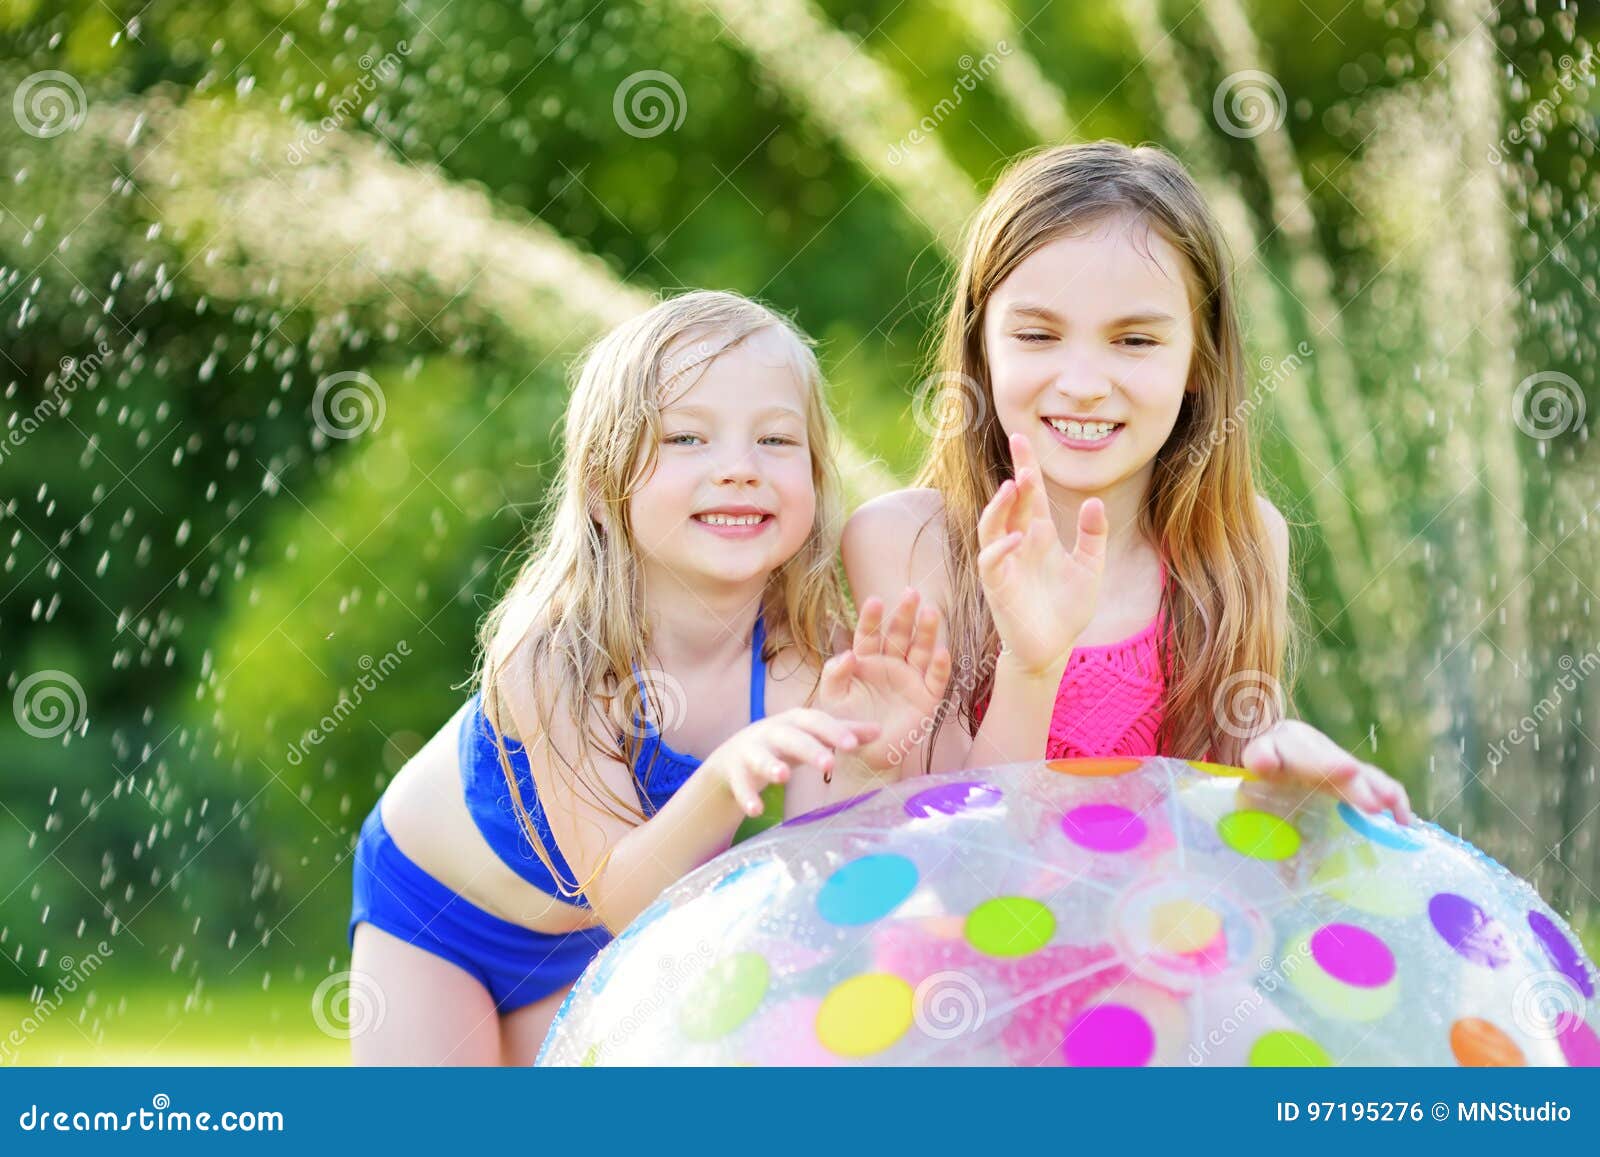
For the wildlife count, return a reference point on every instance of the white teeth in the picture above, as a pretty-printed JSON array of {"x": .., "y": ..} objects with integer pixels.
[
  {"x": 1083, "y": 431},
  {"x": 730, "y": 519}
]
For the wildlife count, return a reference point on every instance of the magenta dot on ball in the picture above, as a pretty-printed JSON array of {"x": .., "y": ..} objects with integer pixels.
[
  {"x": 950, "y": 799},
  {"x": 1352, "y": 955},
  {"x": 1471, "y": 931},
  {"x": 1109, "y": 1035},
  {"x": 1561, "y": 952},
  {"x": 1104, "y": 827},
  {"x": 1579, "y": 1044}
]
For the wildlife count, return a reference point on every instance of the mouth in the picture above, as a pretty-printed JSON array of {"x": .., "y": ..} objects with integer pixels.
[
  {"x": 735, "y": 521},
  {"x": 1083, "y": 434}
]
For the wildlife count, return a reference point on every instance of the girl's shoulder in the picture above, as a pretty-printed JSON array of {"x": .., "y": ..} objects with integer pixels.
[
  {"x": 900, "y": 517},
  {"x": 894, "y": 541}
]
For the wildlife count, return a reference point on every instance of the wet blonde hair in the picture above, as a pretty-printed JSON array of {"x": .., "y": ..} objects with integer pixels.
[
  {"x": 576, "y": 607},
  {"x": 1227, "y": 634}
]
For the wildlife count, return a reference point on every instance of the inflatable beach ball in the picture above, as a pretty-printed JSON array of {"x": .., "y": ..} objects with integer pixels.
[{"x": 1090, "y": 912}]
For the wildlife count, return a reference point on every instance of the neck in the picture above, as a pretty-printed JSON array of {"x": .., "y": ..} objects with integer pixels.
[
  {"x": 699, "y": 624},
  {"x": 1124, "y": 502}
]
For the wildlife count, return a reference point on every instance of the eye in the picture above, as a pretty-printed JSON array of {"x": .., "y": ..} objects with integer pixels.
[
  {"x": 1139, "y": 341},
  {"x": 1032, "y": 336},
  {"x": 781, "y": 440},
  {"x": 681, "y": 439}
]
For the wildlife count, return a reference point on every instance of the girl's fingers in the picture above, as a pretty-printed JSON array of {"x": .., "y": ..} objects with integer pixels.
[
  {"x": 1261, "y": 756},
  {"x": 996, "y": 516},
  {"x": 867, "y": 640},
  {"x": 748, "y": 799},
  {"x": 897, "y": 635},
  {"x": 841, "y": 734},
  {"x": 924, "y": 638},
  {"x": 938, "y": 673},
  {"x": 1391, "y": 795},
  {"x": 991, "y": 556},
  {"x": 800, "y": 746},
  {"x": 1093, "y": 530},
  {"x": 837, "y": 674}
]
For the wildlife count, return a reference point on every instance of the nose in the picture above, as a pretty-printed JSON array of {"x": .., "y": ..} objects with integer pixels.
[
  {"x": 737, "y": 466},
  {"x": 1082, "y": 384}
]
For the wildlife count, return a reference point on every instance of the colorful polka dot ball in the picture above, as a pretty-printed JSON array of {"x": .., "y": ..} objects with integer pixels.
[{"x": 1090, "y": 912}]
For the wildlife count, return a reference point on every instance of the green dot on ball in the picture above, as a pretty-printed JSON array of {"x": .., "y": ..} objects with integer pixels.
[
  {"x": 724, "y": 997},
  {"x": 1010, "y": 926},
  {"x": 1259, "y": 835},
  {"x": 1284, "y": 1049}
]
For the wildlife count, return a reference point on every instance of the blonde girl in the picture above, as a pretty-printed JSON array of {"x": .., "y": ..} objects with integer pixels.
[{"x": 679, "y": 600}]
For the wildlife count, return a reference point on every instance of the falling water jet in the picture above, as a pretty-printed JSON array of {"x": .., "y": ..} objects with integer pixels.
[
  {"x": 1031, "y": 96},
  {"x": 830, "y": 76},
  {"x": 1168, "y": 73}
]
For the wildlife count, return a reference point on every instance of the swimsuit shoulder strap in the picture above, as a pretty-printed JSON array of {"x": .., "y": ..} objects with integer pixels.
[{"x": 758, "y": 673}]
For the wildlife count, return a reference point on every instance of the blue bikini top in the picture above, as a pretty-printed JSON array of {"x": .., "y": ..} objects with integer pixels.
[{"x": 658, "y": 773}]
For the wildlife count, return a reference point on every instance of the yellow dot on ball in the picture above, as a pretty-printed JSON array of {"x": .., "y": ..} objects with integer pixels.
[
  {"x": 1183, "y": 926},
  {"x": 864, "y": 1015}
]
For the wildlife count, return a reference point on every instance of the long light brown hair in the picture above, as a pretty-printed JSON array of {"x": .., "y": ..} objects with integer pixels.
[
  {"x": 1225, "y": 653},
  {"x": 575, "y": 612}
]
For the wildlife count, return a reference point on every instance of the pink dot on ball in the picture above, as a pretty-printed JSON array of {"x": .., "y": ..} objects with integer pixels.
[
  {"x": 1578, "y": 1041},
  {"x": 1104, "y": 827},
  {"x": 1109, "y": 1035},
  {"x": 1352, "y": 955}
]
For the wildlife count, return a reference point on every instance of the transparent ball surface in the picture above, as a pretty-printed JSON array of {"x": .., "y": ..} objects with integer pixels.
[{"x": 1090, "y": 912}]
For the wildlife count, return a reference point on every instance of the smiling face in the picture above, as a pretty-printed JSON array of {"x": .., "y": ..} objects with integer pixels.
[
  {"x": 731, "y": 497},
  {"x": 1088, "y": 343}
]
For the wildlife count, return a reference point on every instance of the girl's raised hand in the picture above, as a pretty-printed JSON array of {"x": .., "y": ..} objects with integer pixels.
[
  {"x": 1293, "y": 752},
  {"x": 1041, "y": 597},
  {"x": 895, "y": 672},
  {"x": 771, "y": 749}
]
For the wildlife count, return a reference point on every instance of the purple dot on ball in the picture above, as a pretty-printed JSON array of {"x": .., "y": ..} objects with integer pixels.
[
  {"x": 831, "y": 809},
  {"x": 950, "y": 799},
  {"x": 1471, "y": 931},
  {"x": 1352, "y": 955},
  {"x": 1561, "y": 952}
]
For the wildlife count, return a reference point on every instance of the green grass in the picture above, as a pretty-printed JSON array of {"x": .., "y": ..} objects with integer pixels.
[{"x": 150, "y": 1025}]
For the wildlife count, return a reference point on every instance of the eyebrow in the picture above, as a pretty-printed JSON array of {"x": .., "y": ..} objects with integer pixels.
[
  {"x": 698, "y": 411},
  {"x": 1142, "y": 317}
]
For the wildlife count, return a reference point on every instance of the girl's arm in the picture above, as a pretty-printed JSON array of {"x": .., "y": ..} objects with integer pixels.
[
  {"x": 893, "y": 542},
  {"x": 626, "y": 864},
  {"x": 894, "y": 672},
  {"x": 1041, "y": 598}
]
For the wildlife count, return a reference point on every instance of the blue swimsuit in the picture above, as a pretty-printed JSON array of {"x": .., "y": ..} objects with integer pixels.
[{"x": 516, "y": 965}]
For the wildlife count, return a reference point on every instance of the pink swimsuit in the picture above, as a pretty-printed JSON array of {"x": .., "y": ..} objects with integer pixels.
[{"x": 1111, "y": 699}]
